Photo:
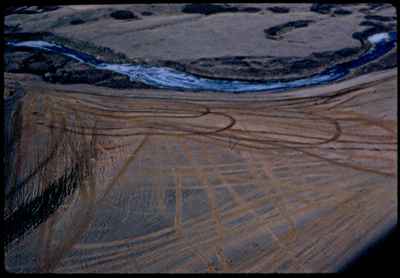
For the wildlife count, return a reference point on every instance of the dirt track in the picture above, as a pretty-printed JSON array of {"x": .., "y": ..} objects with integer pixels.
[{"x": 185, "y": 182}]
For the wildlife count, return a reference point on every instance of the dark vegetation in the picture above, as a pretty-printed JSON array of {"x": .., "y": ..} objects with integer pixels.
[
  {"x": 147, "y": 13},
  {"x": 250, "y": 10},
  {"x": 11, "y": 28},
  {"x": 33, "y": 62},
  {"x": 342, "y": 12},
  {"x": 364, "y": 10},
  {"x": 76, "y": 21},
  {"x": 269, "y": 68},
  {"x": 123, "y": 14},
  {"x": 23, "y": 36},
  {"x": 322, "y": 8},
  {"x": 377, "y": 24},
  {"x": 374, "y": 6},
  {"x": 209, "y": 9},
  {"x": 363, "y": 35},
  {"x": 28, "y": 9},
  {"x": 76, "y": 73},
  {"x": 276, "y": 31},
  {"x": 387, "y": 62},
  {"x": 380, "y": 18},
  {"x": 279, "y": 10},
  {"x": 104, "y": 53},
  {"x": 332, "y": 9},
  {"x": 371, "y": 23},
  {"x": 118, "y": 81},
  {"x": 57, "y": 68}
]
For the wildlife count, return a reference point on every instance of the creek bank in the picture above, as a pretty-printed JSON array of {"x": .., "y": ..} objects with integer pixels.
[
  {"x": 57, "y": 68},
  {"x": 101, "y": 53},
  {"x": 268, "y": 68},
  {"x": 387, "y": 62},
  {"x": 242, "y": 73},
  {"x": 380, "y": 18}
]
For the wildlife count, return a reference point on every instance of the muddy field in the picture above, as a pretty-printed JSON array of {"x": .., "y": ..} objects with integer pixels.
[{"x": 133, "y": 179}]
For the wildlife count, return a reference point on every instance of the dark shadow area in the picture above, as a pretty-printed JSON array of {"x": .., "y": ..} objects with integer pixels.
[
  {"x": 30, "y": 215},
  {"x": 380, "y": 256}
]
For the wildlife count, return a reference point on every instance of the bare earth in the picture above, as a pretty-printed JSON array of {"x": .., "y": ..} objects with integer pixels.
[{"x": 208, "y": 182}]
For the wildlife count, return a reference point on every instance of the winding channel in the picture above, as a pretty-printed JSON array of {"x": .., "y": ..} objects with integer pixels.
[{"x": 169, "y": 78}]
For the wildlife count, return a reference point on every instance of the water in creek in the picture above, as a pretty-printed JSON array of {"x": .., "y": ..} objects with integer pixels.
[{"x": 169, "y": 78}]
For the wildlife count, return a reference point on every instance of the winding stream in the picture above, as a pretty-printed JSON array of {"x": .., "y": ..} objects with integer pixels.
[{"x": 169, "y": 78}]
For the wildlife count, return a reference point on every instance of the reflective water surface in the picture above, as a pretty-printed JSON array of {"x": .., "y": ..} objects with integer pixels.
[{"x": 169, "y": 78}]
